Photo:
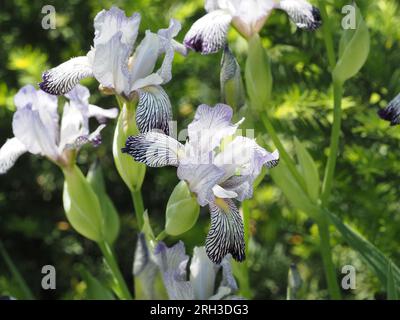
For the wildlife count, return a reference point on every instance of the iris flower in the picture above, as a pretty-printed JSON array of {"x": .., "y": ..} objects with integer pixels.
[
  {"x": 208, "y": 34},
  {"x": 111, "y": 62},
  {"x": 391, "y": 112},
  {"x": 37, "y": 129},
  {"x": 201, "y": 282},
  {"x": 218, "y": 168}
]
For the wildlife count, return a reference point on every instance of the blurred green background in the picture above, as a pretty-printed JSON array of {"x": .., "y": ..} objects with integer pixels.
[{"x": 33, "y": 227}]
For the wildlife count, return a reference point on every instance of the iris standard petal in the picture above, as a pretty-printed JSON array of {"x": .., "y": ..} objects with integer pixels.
[
  {"x": 172, "y": 263},
  {"x": 210, "y": 126},
  {"x": 302, "y": 13},
  {"x": 391, "y": 112},
  {"x": 226, "y": 234},
  {"x": 201, "y": 178},
  {"x": 9, "y": 153},
  {"x": 110, "y": 64},
  {"x": 202, "y": 274},
  {"x": 208, "y": 34},
  {"x": 42, "y": 102},
  {"x": 243, "y": 156},
  {"x": 171, "y": 32},
  {"x": 63, "y": 78},
  {"x": 25, "y": 96},
  {"x": 108, "y": 23},
  {"x": 154, "y": 110},
  {"x": 154, "y": 149},
  {"x": 29, "y": 129},
  {"x": 249, "y": 16},
  {"x": 144, "y": 59}
]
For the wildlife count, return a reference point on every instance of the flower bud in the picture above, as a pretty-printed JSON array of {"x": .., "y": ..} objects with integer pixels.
[
  {"x": 110, "y": 215},
  {"x": 130, "y": 171},
  {"x": 232, "y": 90},
  {"x": 353, "y": 50},
  {"x": 258, "y": 74},
  {"x": 81, "y": 205},
  {"x": 182, "y": 210}
]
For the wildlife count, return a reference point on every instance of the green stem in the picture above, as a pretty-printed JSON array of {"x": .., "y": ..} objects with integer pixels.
[
  {"x": 334, "y": 143},
  {"x": 161, "y": 236},
  {"x": 282, "y": 152},
  {"x": 139, "y": 207},
  {"x": 121, "y": 290},
  {"x": 326, "y": 29},
  {"x": 326, "y": 251}
]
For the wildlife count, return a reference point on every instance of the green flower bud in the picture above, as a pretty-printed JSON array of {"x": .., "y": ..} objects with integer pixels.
[
  {"x": 110, "y": 215},
  {"x": 182, "y": 210},
  {"x": 353, "y": 50},
  {"x": 258, "y": 74},
  {"x": 130, "y": 171},
  {"x": 232, "y": 90},
  {"x": 81, "y": 205}
]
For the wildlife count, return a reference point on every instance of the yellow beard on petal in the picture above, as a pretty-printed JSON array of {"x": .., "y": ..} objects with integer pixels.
[{"x": 221, "y": 203}]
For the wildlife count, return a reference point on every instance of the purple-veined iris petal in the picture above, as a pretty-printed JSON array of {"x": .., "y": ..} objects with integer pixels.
[
  {"x": 63, "y": 78},
  {"x": 9, "y": 153},
  {"x": 210, "y": 126},
  {"x": 226, "y": 234},
  {"x": 172, "y": 263},
  {"x": 202, "y": 274},
  {"x": 201, "y": 178},
  {"x": 391, "y": 112},
  {"x": 302, "y": 13},
  {"x": 154, "y": 110},
  {"x": 154, "y": 149},
  {"x": 208, "y": 34},
  {"x": 29, "y": 129}
]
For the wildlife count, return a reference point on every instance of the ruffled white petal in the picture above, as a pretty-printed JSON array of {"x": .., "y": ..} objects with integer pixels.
[
  {"x": 108, "y": 23},
  {"x": 154, "y": 149},
  {"x": 9, "y": 153},
  {"x": 63, "y": 78},
  {"x": 110, "y": 64},
  {"x": 302, "y": 13},
  {"x": 154, "y": 111},
  {"x": 208, "y": 34},
  {"x": 29, "y": 129},
  {"x": 210, "y": 126}
]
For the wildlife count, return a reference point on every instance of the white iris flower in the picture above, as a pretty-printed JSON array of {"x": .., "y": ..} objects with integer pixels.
[
  {"x": 119, "y": 71},
  {"x": 37, "y": 129},
  {"x": 208, "y": 34},
  {"x": 218, "y": 168}
]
